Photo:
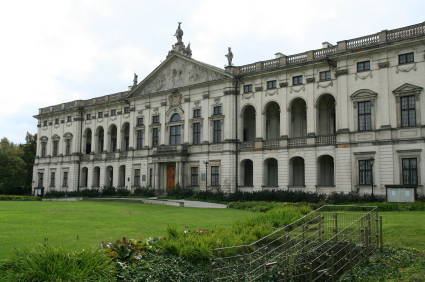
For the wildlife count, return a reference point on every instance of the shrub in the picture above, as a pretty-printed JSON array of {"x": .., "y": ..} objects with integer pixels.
[
  {"x": 46, "y": 263},
  {"x": 122, "y": 192},
  {"x": 90, "y": 193},
  {"x": 144, "y": 191},
  {"x": 61, "y": 194},
  {"x": 128, "y": 249},
  {"x": 180, "y": 192},
  {"x": 109, "y": 191},
  {"x": 18, "y": 198}
]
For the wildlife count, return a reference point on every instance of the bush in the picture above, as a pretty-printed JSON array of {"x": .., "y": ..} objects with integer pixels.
[
  {"x": 145, "y": 192},
  {"x": 18, "y": 198},
  {"x": 90, "y": 193},
  {"x": 109, "y": 191},
  {"x": 16, "y": 191},
  {"x": 46, "y": 263},
  {"x": 61, "y": 194},
  {"x": 122, "y": 192}
]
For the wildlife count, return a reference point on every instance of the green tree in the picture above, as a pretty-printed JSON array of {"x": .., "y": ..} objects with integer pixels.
[
  {"x": 12, "y": 167},
  {"x": 28, "y": 155}
]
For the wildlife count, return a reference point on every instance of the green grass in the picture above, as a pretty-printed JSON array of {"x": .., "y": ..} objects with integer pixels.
[
  {"x": 85, "y": 224},
  {"x": 404, "y": 229}
]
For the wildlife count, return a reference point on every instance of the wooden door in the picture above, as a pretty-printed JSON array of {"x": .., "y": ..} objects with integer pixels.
[{"x": 171, "y": 176}]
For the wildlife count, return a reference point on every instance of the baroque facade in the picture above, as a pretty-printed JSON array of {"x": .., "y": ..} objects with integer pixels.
[{"x": 346, "y": 117}]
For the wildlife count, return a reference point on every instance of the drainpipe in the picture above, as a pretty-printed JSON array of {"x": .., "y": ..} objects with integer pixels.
[{"x": 236, "y": 83}]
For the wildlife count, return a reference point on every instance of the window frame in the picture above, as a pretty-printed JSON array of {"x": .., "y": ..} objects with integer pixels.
[
  {"x": 217, "y": 131},
  {"x": 194, "y": 177},
  {"x": 409, "y": 170},
  {"x": 407, "y": 57},
  {"x": 366, "y": 116},
  {"x": 155, "y": 136},
  {"x": 155, "y": 119},
  {"x": 365, "y": 179},
  {"x": 215, "y": 176},
  {"x": 65, "y": 177},
  {"x": 52, "y": 179},
  {"x": 196, "y": 133},
  {"x": 100, "y": 115},
  {"x": 297, "y": 80},
  {"x": 271, "y": 84},
  {"x": 175, "y": 134},
  {"x": 218, "y": 110},
  {"x": 140, "y": 139},
  {"x": 136, "y": 177},
  {"x": 411, "y": 119},
  {"x": 325, "y": 74},
  {"x": 247, "y": 88},
  {"x": 139, "y": 121},
  {"x": 196, "y": 113},
  {"x": 363, "y": 66}
]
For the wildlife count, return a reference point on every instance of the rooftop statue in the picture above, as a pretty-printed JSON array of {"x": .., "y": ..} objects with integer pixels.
[
  {"x": 135, "y": 80},
  {"x": 229, "y": 56},
  {"x": 179, "y": 34}
]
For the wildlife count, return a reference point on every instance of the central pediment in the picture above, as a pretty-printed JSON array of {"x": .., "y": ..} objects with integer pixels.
[{"x": 179, "y": 71}]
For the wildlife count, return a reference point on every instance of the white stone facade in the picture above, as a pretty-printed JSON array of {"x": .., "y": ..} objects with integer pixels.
[{"x": 312, "y": 122}]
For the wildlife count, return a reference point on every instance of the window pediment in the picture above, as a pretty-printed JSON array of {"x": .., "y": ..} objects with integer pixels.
[
  {"x": 364, "y": 94},
  {"x": 407, "y": 89}
]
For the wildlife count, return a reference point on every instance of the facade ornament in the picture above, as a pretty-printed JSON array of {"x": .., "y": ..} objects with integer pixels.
[
  {"x": 135, "y": 80},
  {"x": 229, "y": 56},
  {"x": 188, "y": 51},
  {"x": 179, "y": 34}
]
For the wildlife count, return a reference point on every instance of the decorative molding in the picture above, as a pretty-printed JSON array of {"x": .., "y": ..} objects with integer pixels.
[
  {"x": 383, "y": 65},
  {"x": 364, "y": 94},
  {"x": 248, "y": 95},
  {"x": 322, "y": 84},
  {"x": 357, "y": 76},
  {"x": 197, "y": 103},
  {"x": 186, "y": 99},
  {"x": 230, "y": 92},
  {"x": 206, "y": 96},
  {"x": 310, "y": 80},
  {"x": 217, "y": 100},
  {"x": 163, "y": 103},
  {"x": 341, "y": 72},
  {"x": 407, "y": 89},
  {"x": 271, "y": 92},
  {"x": 174, "y": 99},
  {"x": 283, "y": 84},
  {"x": 258, "y": 88},
  {"x": 405, "y": 69},
  {"x": 297, "y": 89}
]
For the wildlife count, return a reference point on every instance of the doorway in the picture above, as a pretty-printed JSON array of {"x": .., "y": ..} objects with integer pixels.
[{"x": 171, "y": 176}]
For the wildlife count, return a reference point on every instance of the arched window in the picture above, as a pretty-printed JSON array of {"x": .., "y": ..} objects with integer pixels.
[{"x": 175, "y": 117}]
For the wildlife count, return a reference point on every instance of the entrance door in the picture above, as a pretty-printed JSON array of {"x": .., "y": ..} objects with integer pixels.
[{"x": 171, "y": 176}]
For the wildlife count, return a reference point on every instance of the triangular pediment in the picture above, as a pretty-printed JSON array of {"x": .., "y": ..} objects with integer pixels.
[
  {"x": 363, "y": 94},
  {"x": 178, "y": 71},
  {"x": 407, "y": 88}
]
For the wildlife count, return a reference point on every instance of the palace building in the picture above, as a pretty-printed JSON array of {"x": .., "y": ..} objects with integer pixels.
[{"x": 346, "y": 118}]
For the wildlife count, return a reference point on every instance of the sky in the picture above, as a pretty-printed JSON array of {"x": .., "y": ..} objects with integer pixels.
[{"x": 58, "y": 51}]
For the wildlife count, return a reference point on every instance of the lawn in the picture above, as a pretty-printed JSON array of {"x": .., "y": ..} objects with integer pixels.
[{"x": 86, "y": 224}]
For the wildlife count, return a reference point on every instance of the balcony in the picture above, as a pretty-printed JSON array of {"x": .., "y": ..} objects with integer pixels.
[
  {"x": 271, "y": 144},
  {"x": 297, "y": 142},
  {"x": 326, "y": 140},
  {"x": 170, "y": 150},
  {"x": 247, "y": 145}
]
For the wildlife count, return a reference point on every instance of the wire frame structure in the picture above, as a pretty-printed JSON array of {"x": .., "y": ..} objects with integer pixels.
[{"x": 321, "y": 246}]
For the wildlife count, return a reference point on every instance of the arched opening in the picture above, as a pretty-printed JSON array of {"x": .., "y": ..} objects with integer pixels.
[
  {"x": 247, "y": 173},
  {"x": 297, "y": 170},
  {"x": 248, "y": 118},
  {"x": 326, "y": 171},
  {"x": 175, "y": 129},
  {"x": 87, "y": 141},
  {"x": 112, "y": 132},
  {"x": 100, "y": 135},
  {"x": 84, "y": 177},
  {"x": 271, "y": 173},
  {"x": 272, "y": 121},
  {"x": 121, "y": 176},
  {"x": 298, "y": 118},
  {"x": 109, "y": 176},
  {"x": 125, "y": 141},
  {"x": 326, "y": 115},
  {"x": 96, "y": 177}
]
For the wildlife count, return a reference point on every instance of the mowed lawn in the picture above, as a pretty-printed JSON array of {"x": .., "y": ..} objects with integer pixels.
[
  {"x": 86, "y": 224},
  {"x": 404, "y": 229}
]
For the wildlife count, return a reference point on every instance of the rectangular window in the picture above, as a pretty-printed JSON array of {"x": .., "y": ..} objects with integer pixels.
[
  {"x": 55, "y": 148},
  {"x": 363, "y": 66},
  {"x": 88, "y": 116},
  {"x": 271, "y": 84},
  {"x": 194, "y": 176},
  {"x": 324, "y": 75},
  {"x": 65, "y": 179},
  {"x": 45, "y": 123},
  {"x": 217, "y": 110},
  {"x": 140, "y": 135},
  {"x": 406, "y": 58},
  {"x": 56, "y": 121},
  {"x": 150, "y": 177},
  {"x": 408, "y": 110},
  {"x": 216, "y": 131},
  {"x": 43, "y": 149},
  {"x": 113, "y": 112},
  {"x": 137, "y": 177},
  {"x": 196, "y": 113},
  {"x": 100, "y": 115},
  {"x": 365, "y": 172},
  {"x": 364, "y": 115},
  {"x": 175, "y": 135},
  {"x": 126, "y": 110},
  {"x": 196, "y": 127},
  {"x": 155, "y": 119},
  {"x": 52, "y": 179},
  {"x": 67, "y": 147},
  {"x": 139, "y": 121},
  {"x": 410, "y": 171},
  {"x": 68, "y": 119},
  {"x": 40, "y": 179},
  {"x": 247, "y": 88},
  {"x": 297, "y": 80},
  {"x": 155, "y": 136},
  {"x": 215, "y": 176}
]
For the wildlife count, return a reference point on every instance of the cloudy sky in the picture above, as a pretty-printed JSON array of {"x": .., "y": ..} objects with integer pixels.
[{"x": 57, "y": 51}]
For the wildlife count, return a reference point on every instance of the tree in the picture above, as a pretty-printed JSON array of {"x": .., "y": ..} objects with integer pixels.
[
  {"x": 12, "y": 167},
  {"x": 28, "y": 155}
]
